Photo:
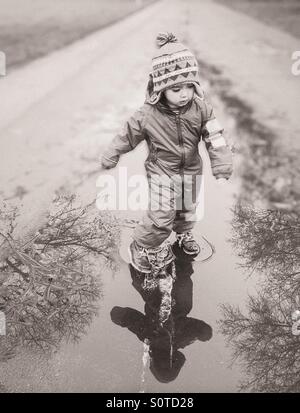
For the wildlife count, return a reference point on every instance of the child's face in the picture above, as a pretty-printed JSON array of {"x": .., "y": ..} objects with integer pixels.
[{"x": 179, "y": 95}]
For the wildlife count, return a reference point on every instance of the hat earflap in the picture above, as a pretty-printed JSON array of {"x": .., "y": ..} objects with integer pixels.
[{"x": 154, "y": 97}]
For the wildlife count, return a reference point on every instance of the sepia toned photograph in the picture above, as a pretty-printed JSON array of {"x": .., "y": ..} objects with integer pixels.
[{"x": 150, "y": 198}]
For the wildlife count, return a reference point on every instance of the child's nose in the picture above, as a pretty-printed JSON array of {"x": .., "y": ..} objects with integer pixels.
[{"x": 183, "y": 92}]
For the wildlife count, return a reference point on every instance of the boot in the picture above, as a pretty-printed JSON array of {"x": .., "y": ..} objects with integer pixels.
[{"x": 187, "y": 242}]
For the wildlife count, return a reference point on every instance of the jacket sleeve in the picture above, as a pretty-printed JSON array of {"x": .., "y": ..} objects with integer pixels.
[
  {"x": 125, "y": 141},
  {"x": 216, "y": 143}
]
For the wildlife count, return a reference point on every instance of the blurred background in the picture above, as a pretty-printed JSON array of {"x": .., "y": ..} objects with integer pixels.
[
  {"x": 284, "y": 14},
  {"x": 33, "y": 28}
]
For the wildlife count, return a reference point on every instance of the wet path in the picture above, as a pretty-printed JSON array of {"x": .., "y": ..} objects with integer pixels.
[{"x": 114, "y": 332}]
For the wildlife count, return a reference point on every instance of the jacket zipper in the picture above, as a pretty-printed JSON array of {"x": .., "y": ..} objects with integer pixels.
[{"x": 180, "y": 140}]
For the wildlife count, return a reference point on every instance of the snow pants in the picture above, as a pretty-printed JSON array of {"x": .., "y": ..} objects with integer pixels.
[{"x": 171, "y": 207}]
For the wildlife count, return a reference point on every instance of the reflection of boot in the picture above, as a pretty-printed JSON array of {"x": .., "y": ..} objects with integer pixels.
[
  {"x": 160, "y": 257},
  {"x": 187, "y": 242},
  {"x": 138, "y": 257},
  {"x": 148, "y": 259}
]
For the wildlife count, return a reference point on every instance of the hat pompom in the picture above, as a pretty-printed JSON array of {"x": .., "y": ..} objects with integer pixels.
[{"x": 164, "y": 38}]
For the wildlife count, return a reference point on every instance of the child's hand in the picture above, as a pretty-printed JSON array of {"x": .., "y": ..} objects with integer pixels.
[
  {"x": 221, "y": 181},
  {"x": 107, "y": 164}
]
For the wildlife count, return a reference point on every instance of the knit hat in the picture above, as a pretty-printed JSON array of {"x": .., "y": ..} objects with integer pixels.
[{"x": 173, "y": 63}]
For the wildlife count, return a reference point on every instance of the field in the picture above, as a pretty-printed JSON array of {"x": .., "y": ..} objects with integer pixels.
[
  {"x": 33, "y": 28},
  {"x": 282, "y": 14}
]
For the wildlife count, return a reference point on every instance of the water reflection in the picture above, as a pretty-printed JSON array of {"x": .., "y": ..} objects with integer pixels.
[
  {"x": 50, "y": 286},
  {"x": 266, "y": 339},
  {"x": 164, "y": 339}
]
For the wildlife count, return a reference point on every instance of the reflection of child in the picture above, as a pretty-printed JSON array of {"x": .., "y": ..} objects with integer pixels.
[
  {"x": 177, "y": 332},
  {"x": 173, "y": 120}
]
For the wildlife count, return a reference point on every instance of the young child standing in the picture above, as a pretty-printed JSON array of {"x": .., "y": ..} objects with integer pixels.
[{"x": 173, "y": 120}]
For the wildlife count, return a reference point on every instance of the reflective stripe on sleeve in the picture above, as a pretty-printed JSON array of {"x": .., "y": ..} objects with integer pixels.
[
  {"x": 213, "y": 126},
  {"x": 217, "y": 141}
]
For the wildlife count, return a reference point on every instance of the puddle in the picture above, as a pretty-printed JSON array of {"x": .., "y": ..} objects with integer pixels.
[
  {"x": 50, "y": 287},
  {"x": 265, "y": 337},
  {"x": 74, "y": 323}
]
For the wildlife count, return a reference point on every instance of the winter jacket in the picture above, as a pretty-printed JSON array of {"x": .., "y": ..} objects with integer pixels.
[{"x": 173, "y": 139}]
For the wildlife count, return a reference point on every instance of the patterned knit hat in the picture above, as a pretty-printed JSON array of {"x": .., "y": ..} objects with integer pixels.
[{"x": 172, "y": 64}]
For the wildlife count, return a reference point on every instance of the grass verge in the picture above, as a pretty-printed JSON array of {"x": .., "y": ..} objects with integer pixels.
[{"x": 35, "y": 28}]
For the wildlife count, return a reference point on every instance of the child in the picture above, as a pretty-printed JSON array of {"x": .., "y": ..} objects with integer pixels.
[{"x": 173, "y": 120}]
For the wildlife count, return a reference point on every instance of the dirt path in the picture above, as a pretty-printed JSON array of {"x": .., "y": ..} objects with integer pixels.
[{"x": 60, "y": 110}]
